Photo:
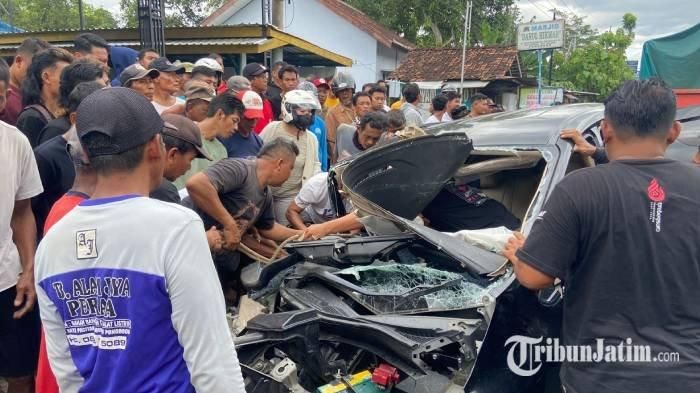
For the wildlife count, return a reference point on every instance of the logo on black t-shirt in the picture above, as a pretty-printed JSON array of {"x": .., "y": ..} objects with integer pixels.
[
  {"x": 656, "y": 192},
  {"x": 657, "y": 195}
]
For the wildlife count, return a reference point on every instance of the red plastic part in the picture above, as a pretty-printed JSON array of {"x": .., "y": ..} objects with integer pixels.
[
  {"x": 687, "y": 97},
  {"x": 385, "y": 376}
]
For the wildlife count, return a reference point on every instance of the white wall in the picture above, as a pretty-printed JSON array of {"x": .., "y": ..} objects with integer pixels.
[
  {"x": 388, "y": 59},
  {"x": 319, "y": 25}
]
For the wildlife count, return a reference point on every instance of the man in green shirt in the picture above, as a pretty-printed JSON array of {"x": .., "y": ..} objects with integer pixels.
[{"x": 222, "y": 119}]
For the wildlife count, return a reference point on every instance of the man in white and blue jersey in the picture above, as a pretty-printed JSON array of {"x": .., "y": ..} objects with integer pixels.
[{"x": 128, "y": 294}]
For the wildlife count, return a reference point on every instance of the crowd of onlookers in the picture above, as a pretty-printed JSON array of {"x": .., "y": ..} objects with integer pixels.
[
  {"x": 249, "y": 155},
  {"x": 148, "y": 197}
]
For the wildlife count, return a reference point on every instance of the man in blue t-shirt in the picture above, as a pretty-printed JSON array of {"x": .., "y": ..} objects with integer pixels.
[
  {"x": 318, "y": 127},
  {"x": 245, "y": 142}
]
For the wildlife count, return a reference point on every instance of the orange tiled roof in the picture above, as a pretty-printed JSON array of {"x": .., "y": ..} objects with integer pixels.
[{"x": 435, "y": 64}]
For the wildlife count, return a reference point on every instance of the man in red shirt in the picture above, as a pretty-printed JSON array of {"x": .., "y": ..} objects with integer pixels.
[
  {"x": 18, "y": 72},
  {"x": 259, "y": 75}
]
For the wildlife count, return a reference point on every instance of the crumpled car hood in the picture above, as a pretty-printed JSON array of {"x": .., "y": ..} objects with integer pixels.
[{"x": 396, "y": 182}]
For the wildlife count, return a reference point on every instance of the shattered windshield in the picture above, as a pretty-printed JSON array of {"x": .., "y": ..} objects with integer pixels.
[{"x": 407, "y": 289}]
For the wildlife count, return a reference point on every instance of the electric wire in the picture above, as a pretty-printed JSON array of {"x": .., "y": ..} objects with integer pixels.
[{"x": 545, "y": 13}]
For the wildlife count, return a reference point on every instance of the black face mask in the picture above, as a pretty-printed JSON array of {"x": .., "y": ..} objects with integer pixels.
[{"x": 302, "y": 122}]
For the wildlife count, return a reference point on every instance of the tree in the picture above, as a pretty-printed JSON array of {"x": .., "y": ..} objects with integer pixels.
[
  {"x": 441, "y": 23},
  {"x": 35, "y": 15},
  {"x": 501, "y": 32},
  {"x": 578, "y": 33},
  {"x": 177, "y": 12},
  {"x": 629, "y": 23},
  {"x": 599, "y": 66}
]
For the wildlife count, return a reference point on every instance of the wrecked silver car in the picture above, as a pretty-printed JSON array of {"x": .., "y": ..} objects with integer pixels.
[{"x": 409, "y": 308}]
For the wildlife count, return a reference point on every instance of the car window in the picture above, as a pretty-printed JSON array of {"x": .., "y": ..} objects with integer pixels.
[{"x": 594, "y": 135}]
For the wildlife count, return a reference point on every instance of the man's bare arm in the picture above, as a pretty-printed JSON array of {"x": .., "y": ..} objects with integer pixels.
[
  {"x": 264, "y": 247},
  {"x": 279, "y": 233},
  {"x": 206, "y": 197},
  {"x": 294, "y": 216},
  {"x": 528, "y": 276},
  {"x": 581, "y": 145},
  {"x": 24, "y": 236},
  {"x": 347, "y": 223}
]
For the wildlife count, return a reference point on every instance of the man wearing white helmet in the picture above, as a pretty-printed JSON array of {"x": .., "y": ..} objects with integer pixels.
[{"x": 298, "y": 109}]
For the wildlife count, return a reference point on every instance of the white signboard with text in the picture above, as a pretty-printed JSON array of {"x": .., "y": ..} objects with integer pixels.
[
  {"x": 529, "y": 97},
  {"x": 541, "y": 35}
]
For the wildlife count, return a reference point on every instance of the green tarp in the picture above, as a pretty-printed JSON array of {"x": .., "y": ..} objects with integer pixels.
[{"x": 675, "y": 59}]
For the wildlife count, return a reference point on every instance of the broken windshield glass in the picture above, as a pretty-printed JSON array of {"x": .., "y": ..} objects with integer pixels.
[{"x": 408, "y": 289}]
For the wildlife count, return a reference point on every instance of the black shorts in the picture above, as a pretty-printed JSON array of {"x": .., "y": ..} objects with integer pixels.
[{"x": 19, "y": 338}]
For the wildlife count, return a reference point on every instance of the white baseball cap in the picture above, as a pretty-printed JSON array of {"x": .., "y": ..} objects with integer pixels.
[{"x": 253, "y": 104}]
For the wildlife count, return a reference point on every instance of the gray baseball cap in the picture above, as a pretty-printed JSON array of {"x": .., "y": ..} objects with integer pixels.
[
  {"x": 237, "y": 83},
  {"x": 184, "y": 129},
  {"x": 136, "y": 72},
  {"x": 124, "y": 115},
  {"x": 162, "y": 64}
]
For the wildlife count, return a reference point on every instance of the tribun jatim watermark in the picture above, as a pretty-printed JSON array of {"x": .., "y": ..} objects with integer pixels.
[{"x": 527, "y": 354}]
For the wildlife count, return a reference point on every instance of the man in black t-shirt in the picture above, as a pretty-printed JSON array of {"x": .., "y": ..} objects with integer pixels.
[
  {"x": 623, "y": 238},
  {"x": 274, "y": 90},
  {"x": 234, "y": 195},
  {"x": 76, "y": 73},
  {"x": 56, "y": 168}
]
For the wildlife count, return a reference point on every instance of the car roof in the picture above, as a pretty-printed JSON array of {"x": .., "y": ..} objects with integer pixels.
[{"x": 530, "y": 127}]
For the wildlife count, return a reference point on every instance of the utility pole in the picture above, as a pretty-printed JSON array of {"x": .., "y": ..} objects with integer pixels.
[
  {"x": 11, "y": 12},
  {"x": 467, "y": 28},
  {"x": 540, "y": 52},
  {"x": 82, "y": 17},
  {"x": 551, "y": 54},
  {"x": 266, "y": 9},
  {"x": 278, "y": 21}
]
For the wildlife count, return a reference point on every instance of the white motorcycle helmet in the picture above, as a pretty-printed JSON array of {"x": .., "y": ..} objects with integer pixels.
[{"x": 297, "y": 99}]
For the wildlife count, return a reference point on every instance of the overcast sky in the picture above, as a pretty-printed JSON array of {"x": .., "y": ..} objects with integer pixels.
[{"x": 654, "y": 18}]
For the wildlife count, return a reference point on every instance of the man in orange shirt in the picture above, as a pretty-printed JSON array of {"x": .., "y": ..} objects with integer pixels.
[{"x": 343, "y": 87}]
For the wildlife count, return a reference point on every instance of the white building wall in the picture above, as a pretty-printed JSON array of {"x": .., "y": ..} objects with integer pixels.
[
  {"x": 388, "y": 59},
  {"x": 313, "y": 22}
]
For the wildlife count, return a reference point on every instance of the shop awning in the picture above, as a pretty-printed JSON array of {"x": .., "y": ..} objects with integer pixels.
[{"x": 238, "y": 39}]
